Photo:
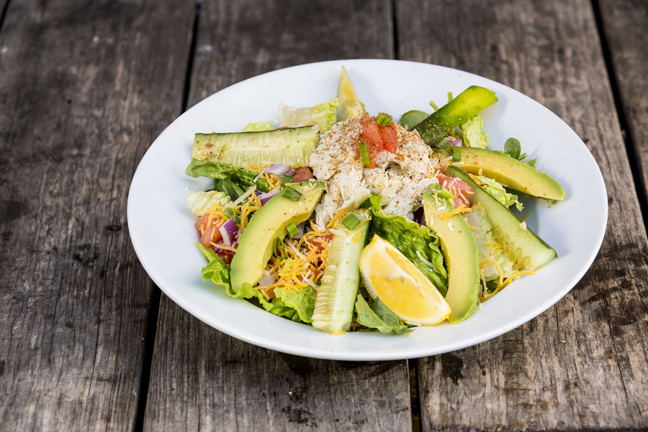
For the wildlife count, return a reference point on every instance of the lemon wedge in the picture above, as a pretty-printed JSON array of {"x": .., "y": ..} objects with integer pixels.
[
  {"x": 350, "y": 105},
  {"x": 402, "y": 287}
]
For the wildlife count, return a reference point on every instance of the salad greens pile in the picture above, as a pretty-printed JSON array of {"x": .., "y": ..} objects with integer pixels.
[{"x": 260, "y": 244}]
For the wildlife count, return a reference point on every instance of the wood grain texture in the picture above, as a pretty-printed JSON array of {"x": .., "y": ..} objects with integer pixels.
[
  {"x": 584, "y": 362},
  {"x": 624, "y": 25},
  {"x": 84, "y": 89},
  {"x": 203, "y": 379}
]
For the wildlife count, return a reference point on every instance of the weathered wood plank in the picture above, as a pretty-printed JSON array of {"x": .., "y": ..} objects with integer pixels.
[
  {"x": 624, "y": 25},
  {"x": 203, "y": 379},
  {"x": 84, "y": 91},
  {"x": 584, "y": 362}
]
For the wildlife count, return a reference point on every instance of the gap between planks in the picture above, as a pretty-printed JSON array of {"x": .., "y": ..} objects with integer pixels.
[
  {"x": 4, "y": 13},
  {"x": 151, "y": 331},
  {"x": 630, "y": 145}
]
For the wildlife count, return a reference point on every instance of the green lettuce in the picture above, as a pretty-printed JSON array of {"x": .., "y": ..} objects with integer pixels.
[
  {"x": 471, "y": 133},
  {"x": 513, "y": 148},
  {"x": 200, "y": 201},
  {"x": 259, "y": 126},
  {"x": 380, "y": 317},
  {"x": 223, "y": 171},
  {"x": 296, "y": 305},
  {"x": 417, "y": 243},
  {"x": 216, "y": 270},
  {"x": 497, "y": 191},
  {"x": 323, "y": 115}
]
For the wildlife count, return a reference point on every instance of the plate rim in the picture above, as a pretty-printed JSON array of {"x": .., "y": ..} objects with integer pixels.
[{"x": 281, "y": 346}]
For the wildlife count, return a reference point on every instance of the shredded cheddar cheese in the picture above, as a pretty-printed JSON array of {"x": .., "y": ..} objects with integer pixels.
[
  {"x": 303, "y": 264},
  {"x": 461, "y": 209}
]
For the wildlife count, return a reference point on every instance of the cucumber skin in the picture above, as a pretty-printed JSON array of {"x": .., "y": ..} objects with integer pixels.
[
  {"x": 289, "y": 146},
  {"x": 460, "y": 109},
  {"x": 336, "y": 296},
  {"x": 506, "y": 228}
]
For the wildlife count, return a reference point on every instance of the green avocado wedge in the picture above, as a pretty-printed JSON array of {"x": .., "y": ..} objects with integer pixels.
[
  {"x": 521, "y": 245},
  {"x": 461, "y": 255},
  {"x": 509, "y": 171},
  {"x": 269, "y": 222}
]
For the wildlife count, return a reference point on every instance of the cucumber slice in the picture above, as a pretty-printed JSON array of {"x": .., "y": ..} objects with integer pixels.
[
  {"x": 459, "y": 110},
  {"x": 336, "y": 295},
  {"x": 520, "y": 244},
  {"x": 290, "y": 146}
]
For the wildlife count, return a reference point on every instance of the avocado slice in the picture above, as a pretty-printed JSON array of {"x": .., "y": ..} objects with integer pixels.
[
  {"x": 508, "y": 171},
  {"x": 520, "y": 243},
  {"x": 461, "y": 254},
  {"x": 268, "y": 223}
]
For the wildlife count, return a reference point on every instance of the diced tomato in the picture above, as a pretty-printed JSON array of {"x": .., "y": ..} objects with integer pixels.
[
  {"x": 210, "y": 234},
  {"x": 459, "y": 189},
  {"x": 389, "y": 137},
  {"x": 318, "y": 244},
  {"x": 370, "y": 135},
  {"x": 378, "y": 138}
]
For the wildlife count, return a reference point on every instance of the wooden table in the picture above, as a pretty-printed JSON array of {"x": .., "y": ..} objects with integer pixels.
[{"x": 87, "y": 342}]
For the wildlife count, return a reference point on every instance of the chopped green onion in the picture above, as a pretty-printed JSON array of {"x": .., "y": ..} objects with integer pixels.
[
  {"x": 441, "y": 192},
  {"x": 433, "y": 105},
  {"x": 351, "y": 221},
  {"x": 279, "y": 247},
  {"x": 364, "y": 154},
  {"x": 444, "y": 143},
  {"x": 456, "y": 154},
  {"x": 384, "y": 119},
  {"x": 292, "y": 230},
  {"x": 230, "y": 213},
  {"x": 286, "y": 179},
  {"x": 450, "y": 97},
  {"x": 291, "y": 194}
]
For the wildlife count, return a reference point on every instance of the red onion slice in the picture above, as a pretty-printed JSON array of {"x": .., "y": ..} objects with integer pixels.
[
  {"x": 228, "y": 231},
  {"x": 456, "y": 142},
  {"x": 264, "y": 197},
  {"x": 278, "y": 169}
]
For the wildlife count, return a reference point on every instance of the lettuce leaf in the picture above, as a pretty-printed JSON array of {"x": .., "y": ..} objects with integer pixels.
[
  {"x": 300, "y": 303},
  {"x": 380, "y": 317},
  {"x": 223, "y": 171},
  {"x": 497, "y": 191},
  {"x": 216, "y": 270},
  {"x": 471, "y": 133},
  {"x": 259, "y": 126},
  {"x": 417, "y": 243},
  {"x": 323, "y": 115},
  {"x": 294, "y": 305},
  {"x": 200, "y": 201}
]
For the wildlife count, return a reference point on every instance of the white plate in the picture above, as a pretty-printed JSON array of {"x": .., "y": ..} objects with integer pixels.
[{"x": 162, "y": 231}]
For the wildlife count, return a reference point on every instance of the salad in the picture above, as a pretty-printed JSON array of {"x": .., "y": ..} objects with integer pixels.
[{"x": 349, "y": 221}]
